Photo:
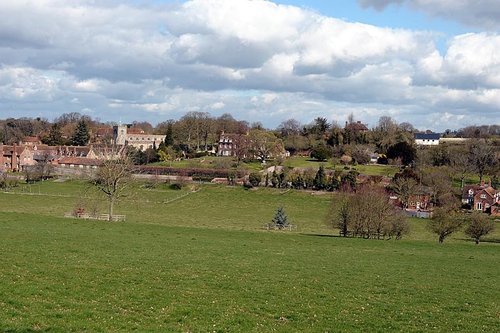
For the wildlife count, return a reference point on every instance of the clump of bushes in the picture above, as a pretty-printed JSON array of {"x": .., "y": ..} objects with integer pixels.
[{"x": 368, "y": 214}]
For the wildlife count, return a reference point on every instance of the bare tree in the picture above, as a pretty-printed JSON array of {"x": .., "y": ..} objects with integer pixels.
[
  {"x": 368, "y": 214},
  {"x": 481, "y": 157},
  {"x": 113, "y": 178},
  {"x": 478, "y": 225},
  {"x": 404, "y": 187},
  {"x": 444, "y": 223}
]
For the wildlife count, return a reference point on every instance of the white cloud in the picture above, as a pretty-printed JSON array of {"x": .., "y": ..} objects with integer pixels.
[
  {"x": 484, "y": 13},
  {"x": 249, "y": 57}
]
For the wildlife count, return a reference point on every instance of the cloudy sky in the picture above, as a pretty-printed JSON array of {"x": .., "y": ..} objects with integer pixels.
[{"x": 434, "y": 63}]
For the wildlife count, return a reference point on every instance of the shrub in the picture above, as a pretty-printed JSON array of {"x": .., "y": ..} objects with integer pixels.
[
  {"x": 321, "y": 153},
  {"x": 176, "y": 186},
  {"x": 478, "y": 225},
  {"x": 255, "y": 178},
  {"x": 280, "y": 219}
]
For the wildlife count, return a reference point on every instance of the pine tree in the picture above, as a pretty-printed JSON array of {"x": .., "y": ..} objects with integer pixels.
[
  {"x": 280, "y": 219},
  {"x": 320, "y": 179},
  {"x": 55, "y": 136},
  {"x": 81, "y": 135},
  {"x": 169, "y": 136}
]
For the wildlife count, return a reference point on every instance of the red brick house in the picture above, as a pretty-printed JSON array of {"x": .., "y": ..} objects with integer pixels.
[{"x": 481, "y": 197}]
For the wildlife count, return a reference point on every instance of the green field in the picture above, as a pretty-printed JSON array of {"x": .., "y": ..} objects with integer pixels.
[{"x": 199, "y": 262}]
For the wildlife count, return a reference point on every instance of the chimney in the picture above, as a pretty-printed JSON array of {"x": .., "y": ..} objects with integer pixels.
[
  {"x": 13, "y": 158},
  {"x": 482, "y": 182},
  {"x": 2, "y": 163},
  {"x": 489, "y": 183}
]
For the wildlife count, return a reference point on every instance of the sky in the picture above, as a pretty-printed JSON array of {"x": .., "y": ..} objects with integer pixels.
[{"x": 433, "y": 63}]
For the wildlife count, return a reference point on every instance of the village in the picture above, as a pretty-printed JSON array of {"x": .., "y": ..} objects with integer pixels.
[{"x": 416, "y": 194}]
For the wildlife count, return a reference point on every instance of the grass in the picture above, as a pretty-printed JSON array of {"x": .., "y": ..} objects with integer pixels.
[
  {"x": 292, "y": 162},
  {"x": 202, "y": 263}
]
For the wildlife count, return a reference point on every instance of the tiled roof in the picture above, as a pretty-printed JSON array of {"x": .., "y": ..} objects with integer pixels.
[
  {"x": 79, "y": 161},
  {"x": 427, "y": 136}
]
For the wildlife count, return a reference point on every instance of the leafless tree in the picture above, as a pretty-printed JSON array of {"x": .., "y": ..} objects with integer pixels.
[
  {"x": 478, "y": 225},
  {"x": 368, "y": 214},
  {"x": 404, "y": 187},
  {"x": 444, "y": 223},
  {"x": 113, "y": 178}
]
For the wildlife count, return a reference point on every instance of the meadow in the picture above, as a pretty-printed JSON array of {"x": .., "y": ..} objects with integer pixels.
[{"x": 197, "y": 260}]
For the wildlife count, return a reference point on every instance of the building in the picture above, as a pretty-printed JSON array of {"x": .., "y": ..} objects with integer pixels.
[
  {"x": 227, "y": 144},
  {"x": 124, "y": 135},
  {"x": 481, "y": 197},
  {"x": 356, "y": 127},
  {"x": 427, "y": 139}
]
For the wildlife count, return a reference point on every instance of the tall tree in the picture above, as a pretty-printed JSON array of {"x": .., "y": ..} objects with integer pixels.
[
  {"x": 264, "y": 145},
  {"x": 113, "y": 178},
  {"x": 481, "y": 157},
  {"x": 55, "y": 136},
  {"x": 444, "y": 223},
  {"x": 169, "y": 136},
  {"x": 478, "y": 225},
  {"x": 81, "y": 135}
]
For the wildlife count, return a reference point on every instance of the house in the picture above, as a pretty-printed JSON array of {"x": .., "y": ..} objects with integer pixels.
[
  {"x": 481, "y": 197},
  {"x": 30, "y": 141},
  {"x": 137, "y": 138},
  {"x": 228, "y": 144},
  {"x": 14, "y": 158},
  {"x": 356, "y": 127},
  {"x": 79, "y": 162},
  {"x": 104, "y": 135},
  {"x": 427, "y": 139}
]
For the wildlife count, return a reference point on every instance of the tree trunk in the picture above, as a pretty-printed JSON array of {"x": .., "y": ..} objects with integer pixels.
[
  {"x": 441, "y": 238},
  {"x": 110, "y": 210},
  {"x": 477, "y": 241}
]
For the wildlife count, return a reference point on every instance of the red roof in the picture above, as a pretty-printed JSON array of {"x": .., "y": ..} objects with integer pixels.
[
  {"x": 33, "y": 139},
  {"x": 135, "y": 130},
  {"x": 80, "y": 161}
]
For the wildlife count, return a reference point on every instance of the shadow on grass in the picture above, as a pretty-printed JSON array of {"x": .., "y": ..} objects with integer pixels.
[
  {"x": 26, "y": 330},
  {"x": 484, "y": 240},
  {"x": 323, "y": 235}
]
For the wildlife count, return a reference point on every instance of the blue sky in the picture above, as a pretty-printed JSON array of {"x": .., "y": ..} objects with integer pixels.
[{"x": 433, "y": 64}]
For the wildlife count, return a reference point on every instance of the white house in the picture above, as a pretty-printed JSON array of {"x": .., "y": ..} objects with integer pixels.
[{"x": 424, "y": 139}]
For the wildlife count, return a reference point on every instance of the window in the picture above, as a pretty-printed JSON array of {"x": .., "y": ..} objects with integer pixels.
[
  {"x": 483, "y": 196},
  {"x": 479, "y": 206}
]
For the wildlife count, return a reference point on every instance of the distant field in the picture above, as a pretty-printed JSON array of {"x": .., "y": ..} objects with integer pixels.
[
  {"x": 201, "y": 262},
  {"x": 292, "y": 162}
]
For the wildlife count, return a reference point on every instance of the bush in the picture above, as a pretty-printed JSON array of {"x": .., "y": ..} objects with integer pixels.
[
  {"x": 478, "y": 225},
  {"x": 254, "y": 179},
  {"x": 280, "y": 219},
  {"x": 321, "y": 153},
  {"x": 176, "y": 186}
]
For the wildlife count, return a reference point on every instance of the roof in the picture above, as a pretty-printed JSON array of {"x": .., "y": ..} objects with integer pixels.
[
  {"x": 135, "y": 130},
  {"x": 357, "y": 126},
  {"x": 80, "y": 161},
  {"x": 103, "y": 131},
  {"x": 31, "y": 139},
  {"x": 427, "y": 136}
]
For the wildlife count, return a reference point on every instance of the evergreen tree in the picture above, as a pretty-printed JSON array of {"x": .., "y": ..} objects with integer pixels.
[
  {"x": 320, "y": 179},
  {"x": 169, "y": 136},
  {"x": 55, "y": 136},
  {"x": 81, "y": 135},
  {"x": 280, "y": 219}
]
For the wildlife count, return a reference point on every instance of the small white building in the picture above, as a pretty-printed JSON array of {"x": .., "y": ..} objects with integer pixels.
[{"x": 427, "y": 139}]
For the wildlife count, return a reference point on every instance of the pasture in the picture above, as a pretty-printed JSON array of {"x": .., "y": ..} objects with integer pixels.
[{"x": 197, "y": 260}]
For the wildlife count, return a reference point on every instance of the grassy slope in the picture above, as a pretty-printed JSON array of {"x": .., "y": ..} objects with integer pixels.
[{"x": 158, "y": 273}]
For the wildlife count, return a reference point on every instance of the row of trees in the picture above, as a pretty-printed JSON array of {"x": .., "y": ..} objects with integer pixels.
[
  {"x": 308, "y": 179},
  {"x": 368, "y": 213}
]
